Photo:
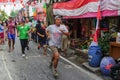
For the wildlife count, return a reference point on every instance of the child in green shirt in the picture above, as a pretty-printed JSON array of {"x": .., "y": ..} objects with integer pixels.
[{"x": 23, "y": 31}]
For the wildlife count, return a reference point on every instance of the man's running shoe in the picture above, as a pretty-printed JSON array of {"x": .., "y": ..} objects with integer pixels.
[
  {"x": 27, "y": 47},
  {"x": 50, "y": 65},
  {"x": 38, "y": 47},
  {"x": 23, "y": 55},
  {"x": 55, "y": 73}
]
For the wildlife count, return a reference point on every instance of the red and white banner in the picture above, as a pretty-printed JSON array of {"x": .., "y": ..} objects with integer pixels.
[
  {"x": 75, "y": 7},
  {"x": 87, "y": 8},
  {"x": 110, "y": 7}
]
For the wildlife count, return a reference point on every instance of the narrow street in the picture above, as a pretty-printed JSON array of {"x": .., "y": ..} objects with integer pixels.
[
  {"x": 88, "y": 32},
  {"x": 36, "y": 66}
]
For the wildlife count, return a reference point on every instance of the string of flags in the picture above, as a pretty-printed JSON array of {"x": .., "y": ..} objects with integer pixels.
[
  {"x": 14, "y": 2},
  {"x": 23, "y": 3}
]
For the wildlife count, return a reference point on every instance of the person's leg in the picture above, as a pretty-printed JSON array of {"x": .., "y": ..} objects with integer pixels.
[
  {"x": 38, "y": 45},
  {"x": 27, "y": 44},
  {"x": 13, "y": 41},
  {"x": 9, "y": 41},
  {"x": 62, "y": 44},
  {"x": 65, "y": 46},
  {"x": 22, "y": 46},
  {"x": 21, "y": 41},
  {"x": 43, "y": 43},
  {"x": 39, "y": 42},
  {"x": 55, "y": 59},
  {"x": 9, "y": 45},
  {"x": 45, "y": 49},
  {"x": 32, "y": 36}
]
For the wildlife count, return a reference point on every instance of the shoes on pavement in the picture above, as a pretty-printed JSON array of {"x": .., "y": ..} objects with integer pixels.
[
  {"x": 55, "y": 73},
  {"x": 27, "y": 47},
  {"x": 50, "y": 65},
  {"x": 38, "y": 47},
  {"x": 9, "y": 50},
  {"x": 23, "y": 55}
]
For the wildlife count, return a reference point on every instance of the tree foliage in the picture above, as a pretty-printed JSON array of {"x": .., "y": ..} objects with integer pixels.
[
  {"x": 13, "y": 13},
  {"x": 3, "y": 15}
]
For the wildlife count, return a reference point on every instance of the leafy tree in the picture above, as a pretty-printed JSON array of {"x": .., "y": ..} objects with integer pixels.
[
  {"x": 3, "y": 15},
  {"x": 13, "y": 14}
]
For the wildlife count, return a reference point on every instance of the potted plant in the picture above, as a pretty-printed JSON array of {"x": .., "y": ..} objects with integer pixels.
[{"x": 104, "y": 43}]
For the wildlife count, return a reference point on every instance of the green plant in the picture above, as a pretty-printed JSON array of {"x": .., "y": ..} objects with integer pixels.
[
  {"x": 104, "y": 43},
  {"x": 13, "y": 13},
  {"x": 3, "y": 15}
]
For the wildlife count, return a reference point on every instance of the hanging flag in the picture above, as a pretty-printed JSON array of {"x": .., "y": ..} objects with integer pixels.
[
  {"x": 95, "y": 37},
  {"x": 14, "y": 4},
  {"x": 12, "y": 1},
  {"x": 21, "y": 1},
  {"x": 4, "y": 5},
  {"x": 33, "y": 9},
  {"x": 29, "y": 3},
  {"x": 23, "y": 5},
  {"x": 34, "y": 12},
  {"x": 5, "y": 1},
  {"x": 44, "y": 7},
  {"x": 34, "y": 3}
]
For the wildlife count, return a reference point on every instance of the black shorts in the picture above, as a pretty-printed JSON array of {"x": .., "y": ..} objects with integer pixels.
[{"x": 42, "y": 41}]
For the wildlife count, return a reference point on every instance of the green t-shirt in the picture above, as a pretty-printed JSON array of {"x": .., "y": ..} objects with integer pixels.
[{"x": 23, "y": 31}]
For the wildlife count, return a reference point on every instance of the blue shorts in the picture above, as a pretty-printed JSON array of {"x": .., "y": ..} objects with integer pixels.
[{"x": 11, "y": 36}]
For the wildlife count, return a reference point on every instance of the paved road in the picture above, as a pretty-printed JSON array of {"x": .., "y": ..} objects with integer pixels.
[{"x": 36, "y": 67}]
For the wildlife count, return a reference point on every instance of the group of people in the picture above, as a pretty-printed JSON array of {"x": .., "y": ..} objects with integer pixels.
[{"x": 47, "y": 36}]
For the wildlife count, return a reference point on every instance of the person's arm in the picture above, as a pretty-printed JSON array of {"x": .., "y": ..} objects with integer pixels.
[
  {"x": 29, "y": 30},
  {"x": 48, "y": 32},
  {"x": 65, "y": 31},
  {"x": 40, "y": 34},
  {"x": 18, "y": 31}
]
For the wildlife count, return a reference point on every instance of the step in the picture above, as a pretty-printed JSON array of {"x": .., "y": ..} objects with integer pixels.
[{"x": 93, "y": 69}]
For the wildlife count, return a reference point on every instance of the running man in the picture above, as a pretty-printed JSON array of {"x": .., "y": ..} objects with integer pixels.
[
  {"x": 11, "y": 34},
  {"x": 42, "y": 38},
  {"x": 55, "y": 32},
  {"x": 23, "y": 33},
  {"x": 38, "y": 30}
]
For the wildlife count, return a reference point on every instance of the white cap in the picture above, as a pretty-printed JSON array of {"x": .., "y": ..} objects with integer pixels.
[{"x": 57, "y": 17}]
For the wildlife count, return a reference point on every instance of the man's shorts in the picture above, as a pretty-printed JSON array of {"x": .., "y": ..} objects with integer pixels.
[
  {"x": 11, "y": 36},
  {"x": 41, "y": 41},
  {"x": 1, "y": 34},
  {"x": 54, "y": 49}
]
